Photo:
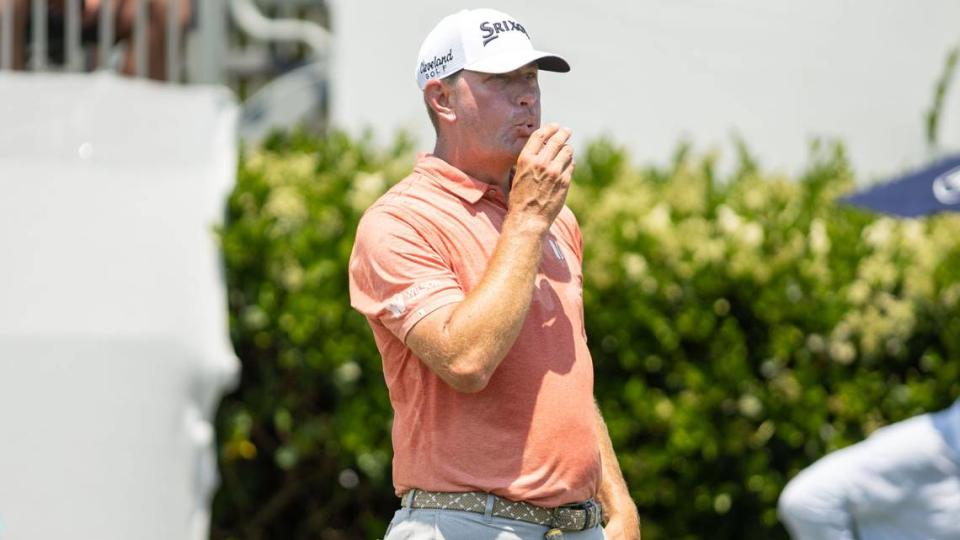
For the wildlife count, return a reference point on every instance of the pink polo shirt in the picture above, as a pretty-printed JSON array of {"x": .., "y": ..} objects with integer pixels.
[{"x": 531, "y": 433}]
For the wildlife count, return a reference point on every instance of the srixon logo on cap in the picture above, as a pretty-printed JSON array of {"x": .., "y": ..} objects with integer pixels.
[{"x": 492, "y": 30}]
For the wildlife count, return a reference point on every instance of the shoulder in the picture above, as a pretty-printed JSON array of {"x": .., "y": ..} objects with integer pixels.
[
  {"x": 397, "y": 209},
  {"x": 382, "y": 225},
  {"x": 414, "y": 201}
]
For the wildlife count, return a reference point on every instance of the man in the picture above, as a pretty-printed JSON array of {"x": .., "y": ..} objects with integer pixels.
[
  {"x": 902, "y": 482},
  {"x": 469, "y": 272}
]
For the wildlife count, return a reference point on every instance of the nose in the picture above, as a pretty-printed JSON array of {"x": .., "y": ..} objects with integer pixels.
[{"x": 529, "y": 96}]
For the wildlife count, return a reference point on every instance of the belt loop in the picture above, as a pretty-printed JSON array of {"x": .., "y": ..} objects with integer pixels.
[
  {"x": 488, "y": 511},
  {"x": 408, "y": 500}
]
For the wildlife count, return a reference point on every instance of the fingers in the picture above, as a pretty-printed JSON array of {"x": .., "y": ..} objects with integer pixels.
[
  {"x": 548, "y": 146},
  {"x": 564, "y": 168},
  {"x": 564, "y": 157},
  {"x": 539, "y": 137},
  {"x": 561, "y": 166},
  {"x": 555, "y": 143},
  {"x": 568, "y": 172}
]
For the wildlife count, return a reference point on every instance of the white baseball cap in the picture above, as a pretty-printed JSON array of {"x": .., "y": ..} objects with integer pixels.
[{"x": 483, "y": 40}]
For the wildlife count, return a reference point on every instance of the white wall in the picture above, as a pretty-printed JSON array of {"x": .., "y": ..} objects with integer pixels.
[
  {"x": 114, "y": 346},
  {"x": 649, "y": 72}
]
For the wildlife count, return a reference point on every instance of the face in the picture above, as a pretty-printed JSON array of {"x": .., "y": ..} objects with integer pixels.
[{"x": 497, "y": 113}]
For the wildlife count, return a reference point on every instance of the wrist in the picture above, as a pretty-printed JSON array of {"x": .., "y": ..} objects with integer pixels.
[
  {"x": 526, "y": 224},
  {"x": 624, "y": 511}
]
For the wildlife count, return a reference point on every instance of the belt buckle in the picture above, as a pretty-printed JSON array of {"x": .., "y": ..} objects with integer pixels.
[
  {"x": 594, "y": 513},
  {"x": 591, "y": 508}
]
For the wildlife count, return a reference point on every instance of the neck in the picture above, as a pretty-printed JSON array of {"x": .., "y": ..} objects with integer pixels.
[{"x": 492, "y": 171}]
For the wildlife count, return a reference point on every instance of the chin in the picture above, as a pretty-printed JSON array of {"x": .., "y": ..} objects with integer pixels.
[{"x": 514, "y": 153}]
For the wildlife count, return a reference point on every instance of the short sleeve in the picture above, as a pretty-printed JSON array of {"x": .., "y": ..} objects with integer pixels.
[
  {"x": 570, "y": 231},
  {"x": 396, "y": 277}
]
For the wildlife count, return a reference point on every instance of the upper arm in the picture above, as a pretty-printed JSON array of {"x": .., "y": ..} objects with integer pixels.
[
  {"x": 429, "y": 341},
  {"x": 397, "y": 277}
]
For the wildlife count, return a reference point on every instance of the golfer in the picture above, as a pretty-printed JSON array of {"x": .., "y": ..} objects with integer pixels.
[{"x": 469, "y": 273}]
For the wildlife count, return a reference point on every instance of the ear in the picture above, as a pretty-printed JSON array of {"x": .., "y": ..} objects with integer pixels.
[{"x": 439, "y": 97}]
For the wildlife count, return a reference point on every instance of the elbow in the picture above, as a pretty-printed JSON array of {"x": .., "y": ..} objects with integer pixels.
[
  {"x": 469, "y": 383},
  {"x": 791, "y": 503},
  {"x": 807, "y": 508},
  {"x": 468, "y": 377}
]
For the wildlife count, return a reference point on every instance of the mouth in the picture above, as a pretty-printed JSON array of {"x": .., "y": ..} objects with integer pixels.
[{"x": 526, "y": 127}]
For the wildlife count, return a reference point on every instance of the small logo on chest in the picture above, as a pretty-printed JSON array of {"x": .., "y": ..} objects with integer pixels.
[{"x": 555, "y": 247}]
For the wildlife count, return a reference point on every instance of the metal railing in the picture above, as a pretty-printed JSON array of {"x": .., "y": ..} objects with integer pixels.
[{"x": 202, "y": 59}]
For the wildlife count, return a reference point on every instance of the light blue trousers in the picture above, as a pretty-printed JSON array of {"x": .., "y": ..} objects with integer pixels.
[{"x": 428, "y": 524}]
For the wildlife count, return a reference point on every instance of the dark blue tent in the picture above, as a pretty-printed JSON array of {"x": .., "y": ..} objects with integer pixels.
[{"x": 933, "y": 189}]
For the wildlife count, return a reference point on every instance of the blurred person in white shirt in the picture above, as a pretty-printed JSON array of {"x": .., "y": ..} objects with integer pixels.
[{"x": 902, "y": 483}]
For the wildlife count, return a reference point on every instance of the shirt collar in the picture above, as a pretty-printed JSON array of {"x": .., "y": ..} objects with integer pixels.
[{"x": 451, "y": 178}]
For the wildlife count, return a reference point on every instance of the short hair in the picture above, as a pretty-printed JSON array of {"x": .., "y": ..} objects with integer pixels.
[{"x": 449, "y": 79}]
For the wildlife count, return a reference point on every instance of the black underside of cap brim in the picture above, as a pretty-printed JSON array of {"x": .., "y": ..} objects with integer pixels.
[{"x": 553, "y": 63}]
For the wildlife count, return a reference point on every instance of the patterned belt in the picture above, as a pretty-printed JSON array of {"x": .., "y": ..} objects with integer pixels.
[{"x": 571, "y": 517}]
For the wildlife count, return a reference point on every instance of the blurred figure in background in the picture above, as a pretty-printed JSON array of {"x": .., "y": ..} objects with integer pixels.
[
  {"x": 20, "y": 10},
  {"x": 124, "y": 19},
  {"x": 902, "y": 482}
]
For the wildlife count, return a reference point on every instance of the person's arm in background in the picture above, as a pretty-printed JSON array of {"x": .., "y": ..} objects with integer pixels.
[
  {"x": 619, "y": 510},
  {"x": 840, "y": 494},
  {"x": 815, "y": 505},
  {"x": 463, "y": 343}
]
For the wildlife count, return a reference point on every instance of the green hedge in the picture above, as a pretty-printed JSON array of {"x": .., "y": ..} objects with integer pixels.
[{"x": 741, "y": 324}]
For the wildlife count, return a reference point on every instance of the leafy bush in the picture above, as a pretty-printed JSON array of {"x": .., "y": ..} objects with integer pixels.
[{"x": 741, "y": 327}]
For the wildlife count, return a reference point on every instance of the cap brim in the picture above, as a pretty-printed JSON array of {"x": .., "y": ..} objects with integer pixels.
[{"x": 505, "y": 63}]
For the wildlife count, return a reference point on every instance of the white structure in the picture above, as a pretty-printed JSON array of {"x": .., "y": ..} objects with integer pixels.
[
  {"x": 650, "y": 72},
  {"x": 114, "y": 346}
]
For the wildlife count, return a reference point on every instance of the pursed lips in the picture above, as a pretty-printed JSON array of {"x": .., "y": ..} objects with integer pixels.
[{"x": 527, "y": 126}]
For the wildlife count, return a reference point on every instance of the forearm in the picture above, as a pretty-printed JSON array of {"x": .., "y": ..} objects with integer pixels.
[
  {"x": 477, "y": 333},
  {"x": 619, "y": 510}
]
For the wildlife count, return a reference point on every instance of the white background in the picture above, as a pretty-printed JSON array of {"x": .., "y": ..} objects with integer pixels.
[{"x": 651, "y": 72}]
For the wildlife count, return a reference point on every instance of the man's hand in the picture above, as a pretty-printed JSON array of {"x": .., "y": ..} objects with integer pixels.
[
  {"x": 542, "y": 178},
  {"x": 619, "y": 529}
]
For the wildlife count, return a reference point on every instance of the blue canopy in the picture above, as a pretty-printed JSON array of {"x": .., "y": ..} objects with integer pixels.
[{"x": 933, "y": 189}]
